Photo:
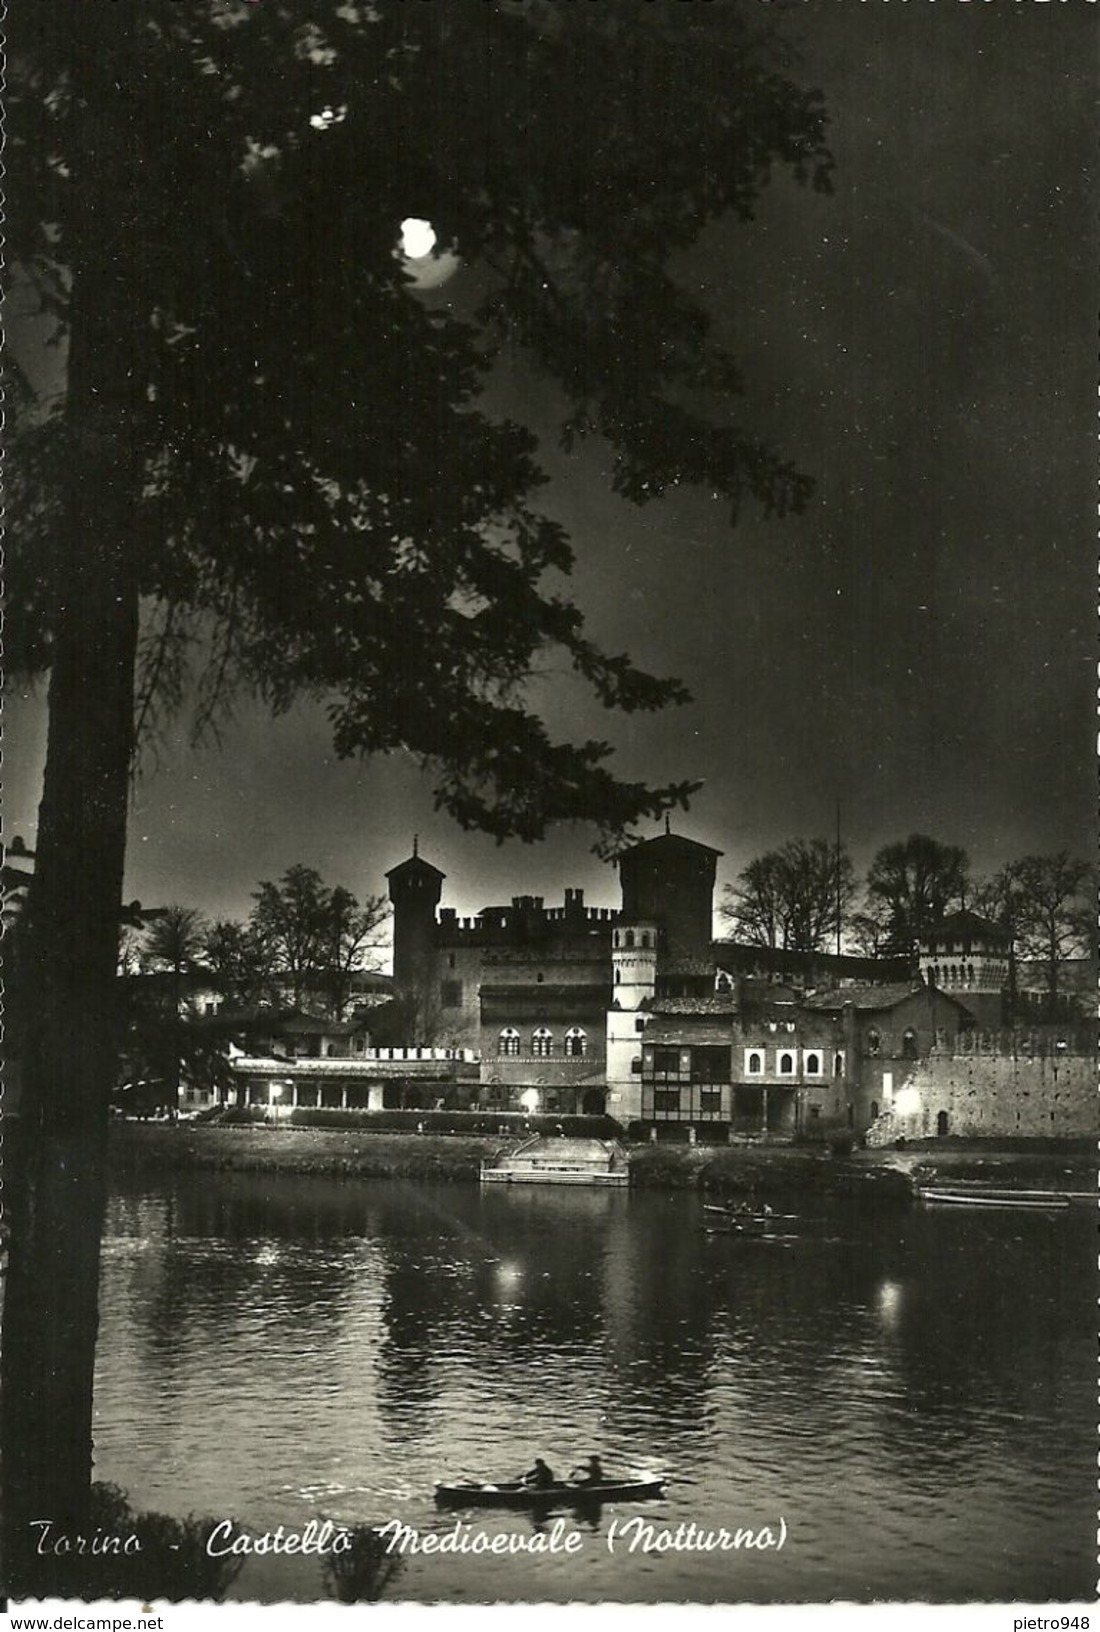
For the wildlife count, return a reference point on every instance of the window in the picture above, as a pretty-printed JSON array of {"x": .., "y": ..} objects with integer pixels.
[
  {"x": 785, "y": 1068},
  {"x": 874, "y": 1041},
  {"x": 710, "y": 1101},
  {"x": 576, "y": 1042},
  {"x": 838, "y": 1063},
  {"x": 645, "y": 938},
  {"x": 636, "y": 1066},
  {"x": 508, "y": 1041},
  {"x": 640, "y": 1025},
  {"x": 542, "y": 1043},
  {"x": 812, "y": 1065},
  {"x": 450, "y": 994},
  {"x": 630, "y": 940},
  {"x": 909, "y": 1045},
  {"x": 666, "y": 1062},
  {"x": 710, "y": 1064},
  {"x": 754, "y": 1061},
  {"x": 666, "y": 1099}
]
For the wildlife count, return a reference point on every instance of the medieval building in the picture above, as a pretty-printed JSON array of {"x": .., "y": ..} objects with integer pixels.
[{"x": 640, "y": 1012}]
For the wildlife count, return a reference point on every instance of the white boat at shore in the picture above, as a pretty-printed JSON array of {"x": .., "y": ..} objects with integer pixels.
[{"x": 559, "y": 1160}]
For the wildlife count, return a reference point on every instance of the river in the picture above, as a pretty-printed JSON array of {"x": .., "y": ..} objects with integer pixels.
[{"x": 905, "y": 1400}]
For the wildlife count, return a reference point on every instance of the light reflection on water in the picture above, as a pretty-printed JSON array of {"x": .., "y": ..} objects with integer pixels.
[{"x": 914, "y": 1398}]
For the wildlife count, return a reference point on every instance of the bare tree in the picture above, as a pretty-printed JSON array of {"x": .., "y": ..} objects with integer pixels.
[
  {"x": 314, "y": 937},
  {"x": 353, "y": 942},
  {"x": 795, "y": 899},
  {"x": 1057, "y": 916},
  {"x": 910, "y": 888}
]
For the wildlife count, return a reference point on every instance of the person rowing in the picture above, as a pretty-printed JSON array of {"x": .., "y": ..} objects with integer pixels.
[
  {"x": 591, "y": 1472},
  {"x": 540, "y": 1476}
]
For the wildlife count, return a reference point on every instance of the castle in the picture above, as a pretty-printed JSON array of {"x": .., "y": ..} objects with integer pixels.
[{"x": 641, "y": 1013}]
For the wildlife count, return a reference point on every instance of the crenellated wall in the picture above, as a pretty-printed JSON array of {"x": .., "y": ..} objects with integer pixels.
[{"x": 1024, "y": 1089}]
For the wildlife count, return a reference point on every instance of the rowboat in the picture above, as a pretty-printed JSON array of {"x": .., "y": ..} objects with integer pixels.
[
  {"x": 738, "y": 1220},
  {"x": 514, "y": 1493}
]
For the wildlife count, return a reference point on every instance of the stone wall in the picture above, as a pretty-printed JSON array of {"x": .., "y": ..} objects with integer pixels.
[{"x": 971, "y": 1093}]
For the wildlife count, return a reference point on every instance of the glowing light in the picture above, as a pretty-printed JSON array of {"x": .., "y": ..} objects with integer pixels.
[
  {"x": 889, "y": 1302},
  {"x": 529, "y": 1099},
  {"x": 417, "y": 238}
]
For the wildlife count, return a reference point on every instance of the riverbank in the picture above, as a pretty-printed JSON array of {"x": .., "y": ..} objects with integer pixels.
[
  {"x": 135, "y": 1146},
  {"x": 772, "y": 1172}
]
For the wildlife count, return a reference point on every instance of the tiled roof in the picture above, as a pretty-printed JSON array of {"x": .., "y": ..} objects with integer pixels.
[
  {"x": 966, "y": 926},
  {"x": 551, "y": 991},
  {"x": 689, "y": 966},
  {"x": 720, "y": 1003},
  {"x": 864, "y": 997},
  {"x": 670, "y": 844},
  {"x": 308, "y": 1025}
]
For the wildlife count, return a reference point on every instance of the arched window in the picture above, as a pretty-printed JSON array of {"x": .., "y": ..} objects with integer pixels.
[
  {"x": 629, "y": 939},
  {"x": 508, "y": 1041},
  {"x": 576, "y": 1042},
  {"x": 942, "y": 1124},
  {"x": 813, "y": 1065},
  {"x": 786, "y": 1065},
  {"x": 618, "y": 976},
  {"x": 754, "y": 1062},
  {"x": 874, "y": 1041},
  {"x": 838, "y": 1064},
  {"x": 542, "y": 1043},
  {"x": 645, "y": 938},
  {"x": 909, "y": 1045}
]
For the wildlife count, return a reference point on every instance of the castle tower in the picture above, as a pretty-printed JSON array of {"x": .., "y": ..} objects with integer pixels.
[
  {"x": 669, "y": 881},
  {"x": 968, "y": 957},
  {"x": 415, "y": 887},
  {"x": 634, "y": 981},
  {"x": 633, "y": 964}
]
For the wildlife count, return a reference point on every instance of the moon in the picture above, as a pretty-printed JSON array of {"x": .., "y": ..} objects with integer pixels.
[{"x": 417, "y": 242}]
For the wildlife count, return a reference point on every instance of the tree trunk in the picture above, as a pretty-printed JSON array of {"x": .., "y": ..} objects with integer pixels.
[
  {"x": 70, "y": 1038},
  {"x": 67, "y": 1023}
]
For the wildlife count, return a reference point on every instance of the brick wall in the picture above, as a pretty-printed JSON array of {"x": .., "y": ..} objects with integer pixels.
[{"x": 987, "y": 1095}]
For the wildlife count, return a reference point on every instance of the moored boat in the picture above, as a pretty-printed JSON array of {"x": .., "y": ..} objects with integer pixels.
[
  {"x": 1034, "y": 1201},
  {"x": 563, "y": 1492}
]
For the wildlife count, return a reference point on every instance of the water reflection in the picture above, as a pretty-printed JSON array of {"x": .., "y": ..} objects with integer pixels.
[{"x": 912, "y": 1393}]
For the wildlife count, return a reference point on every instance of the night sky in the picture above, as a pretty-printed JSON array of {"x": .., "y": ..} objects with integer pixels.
[{"x": 919, "y": 646}]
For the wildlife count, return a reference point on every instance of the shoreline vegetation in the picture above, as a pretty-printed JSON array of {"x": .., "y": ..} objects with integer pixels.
[{"x": 884, "y": 1176}]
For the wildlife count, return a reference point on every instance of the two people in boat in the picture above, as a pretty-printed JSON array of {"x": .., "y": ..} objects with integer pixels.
[{"x": 541, "y": 1476}]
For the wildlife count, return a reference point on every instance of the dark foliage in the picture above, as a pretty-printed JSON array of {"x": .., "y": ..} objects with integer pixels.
[{"x": 319, "y": 494}]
